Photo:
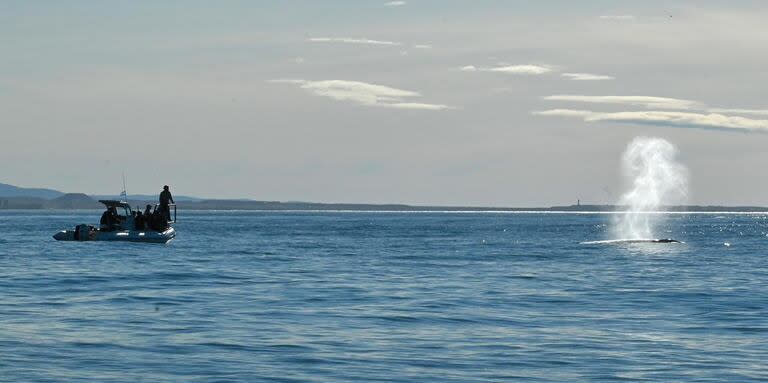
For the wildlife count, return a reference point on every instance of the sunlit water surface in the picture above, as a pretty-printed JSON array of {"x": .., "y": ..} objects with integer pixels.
[{"x": 385, "y": 297}]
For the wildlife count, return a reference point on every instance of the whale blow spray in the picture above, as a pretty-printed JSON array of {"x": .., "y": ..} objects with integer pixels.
[{"x": 656, "y": 180}]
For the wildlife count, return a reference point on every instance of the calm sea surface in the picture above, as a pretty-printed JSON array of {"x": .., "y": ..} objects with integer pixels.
[{"x": 385, "y": 297}]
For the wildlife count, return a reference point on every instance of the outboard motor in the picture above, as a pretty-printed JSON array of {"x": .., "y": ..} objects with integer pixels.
[{"x": 81, "y": 232}]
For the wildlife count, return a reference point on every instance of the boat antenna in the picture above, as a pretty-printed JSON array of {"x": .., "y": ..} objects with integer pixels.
[{"x": 124, "y": 194}]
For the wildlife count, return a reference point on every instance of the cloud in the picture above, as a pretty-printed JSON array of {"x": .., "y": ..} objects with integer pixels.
[
  {"x": 693, "y": 114},
  {"x": 350, "y": 40},
  {"x": 364, "y": 41},
  {"x": 667, "y": 118},
  {"x": 511, "y": 69},
  {"x": 522, "y": 69},
  {"x": 565, "y": 113},
  {"x": 363, "y": 93},
  {"x": 755, "y": 112},
  {"x": 415, "y": 105},
  {"x": 587, "y": 77},
  {"x": 617, "y": 17},
  {"x": 395, "y": 4},
  {"x": 646, "y": 101}
]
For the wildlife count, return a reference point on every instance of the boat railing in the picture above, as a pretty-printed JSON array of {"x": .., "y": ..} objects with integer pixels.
[{"x": 171, "y": 211}]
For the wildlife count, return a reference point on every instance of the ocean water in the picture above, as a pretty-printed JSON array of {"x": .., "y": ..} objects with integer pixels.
[{"x": 385, "y": 297}]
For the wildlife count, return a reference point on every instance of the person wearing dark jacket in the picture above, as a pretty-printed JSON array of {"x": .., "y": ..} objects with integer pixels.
[
  {"x": 109, "y": 219},
  {"x": 166, "y": 199},
  {"x": 139, "y": 221},
  {"x": 159, "y": 223},
  {"x": 106, "y": 220}
]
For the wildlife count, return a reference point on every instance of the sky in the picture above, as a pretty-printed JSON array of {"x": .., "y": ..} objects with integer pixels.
[{"x": 438, "y": 102}]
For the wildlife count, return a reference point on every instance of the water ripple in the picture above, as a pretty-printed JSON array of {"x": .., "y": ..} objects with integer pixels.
[{"x": 383, "y": 297}]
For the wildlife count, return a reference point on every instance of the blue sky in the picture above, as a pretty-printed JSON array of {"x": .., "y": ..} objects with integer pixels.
[{"x": 430, "y": 102}]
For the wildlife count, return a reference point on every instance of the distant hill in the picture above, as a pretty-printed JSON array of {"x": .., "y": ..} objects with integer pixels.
[
  {"x": 147, "y": 197},
  {"x": 229, "y": 204},
  {"x": 13, "y": 197},
  {"x": 15, "y": 191},
  {"x": 73, "y": 201},
  {"x": 7, "y": 191},
  {"x": 22, "y": 203}
]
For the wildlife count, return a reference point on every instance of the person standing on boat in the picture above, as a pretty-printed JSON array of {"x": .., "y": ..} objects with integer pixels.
[{"x": 166, "y": 199}]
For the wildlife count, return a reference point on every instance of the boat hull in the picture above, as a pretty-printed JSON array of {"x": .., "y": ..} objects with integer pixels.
[{"x": 147, "y": 236}]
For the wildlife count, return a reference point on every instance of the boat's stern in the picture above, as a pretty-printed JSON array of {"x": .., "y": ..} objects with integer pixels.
[
  {"x": 64, "y": 235},
  {"x": 81, "y": 233},
  {"x": 168, "y": 235},
  {"x": 151, "y": 236}
]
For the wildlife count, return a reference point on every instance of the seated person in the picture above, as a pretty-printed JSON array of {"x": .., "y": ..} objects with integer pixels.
[
  {"x": 159, "y": 223},
  {"x": 139, "y": 221},
  {"x": 109, "y": 220}
]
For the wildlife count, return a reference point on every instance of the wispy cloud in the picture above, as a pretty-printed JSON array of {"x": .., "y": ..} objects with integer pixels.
[
  {"x": 350, "y": 40},
  {"x": 564, "y": 113},
  {"x": 587, "y": 77},
  {"x": 415, "y": 105},
  {"x": 394, "y": 3},
  {"x": 363, "y": 93},
  {"x": 666, "y": 118},
  {"x": 522, "y": 69},
  {"x": 645, "y": 101},
  {"x": 617, "y": 17},
  {"x": 754, "y": 112},
  {"x": 527, "y": 69}
]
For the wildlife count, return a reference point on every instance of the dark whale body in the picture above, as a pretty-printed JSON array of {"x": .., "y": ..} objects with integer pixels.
[
  {"x": 622, "y": 241},
  {"x": 662, "y": 240}
]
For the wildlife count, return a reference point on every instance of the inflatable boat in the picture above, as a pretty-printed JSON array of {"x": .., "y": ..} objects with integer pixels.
[
  {"x": 123, "y": 227},
  {"x": 90, "y": 233}
]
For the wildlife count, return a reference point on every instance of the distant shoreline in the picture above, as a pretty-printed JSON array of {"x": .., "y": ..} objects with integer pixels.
[
  {"x": 82, "y": 202},
  {"x": 521, "y": 212},
  {"x": 16, "y": 198}
]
